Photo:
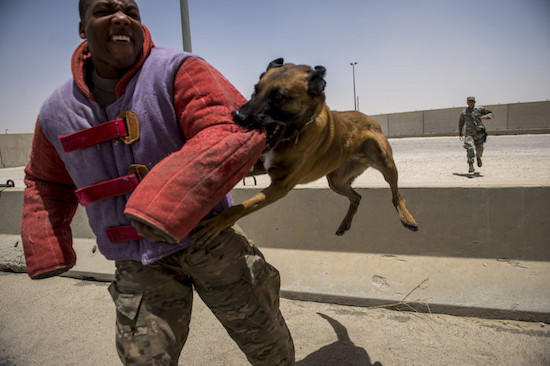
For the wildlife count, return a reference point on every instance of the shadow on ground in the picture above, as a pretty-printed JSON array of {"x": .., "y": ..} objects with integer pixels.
[
  {"x": 469, "y": 175},
  {"x": 340, "y": 353}
]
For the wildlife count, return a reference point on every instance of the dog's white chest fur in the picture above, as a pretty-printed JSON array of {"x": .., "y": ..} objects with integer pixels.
[{"x": 268, "y": 159}]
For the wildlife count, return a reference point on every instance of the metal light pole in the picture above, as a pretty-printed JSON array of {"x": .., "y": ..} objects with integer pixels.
[
  {"x": 185, "y": 26},
  {"x": 354, "y": 95}
]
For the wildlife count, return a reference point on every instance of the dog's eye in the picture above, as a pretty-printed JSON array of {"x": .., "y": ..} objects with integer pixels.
[{"x": 277, "y": 96}]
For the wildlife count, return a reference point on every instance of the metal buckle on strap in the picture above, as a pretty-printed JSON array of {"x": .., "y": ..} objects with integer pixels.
[
  {"x": 125, "y": 127},
  {"x": 139, "y": 170},
  {"x": 132, "y": 126}
]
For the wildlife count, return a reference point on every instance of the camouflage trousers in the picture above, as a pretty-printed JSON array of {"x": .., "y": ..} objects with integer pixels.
[
  {"x": 153, "y": 303},
  {"x": 471, "y": 143}
]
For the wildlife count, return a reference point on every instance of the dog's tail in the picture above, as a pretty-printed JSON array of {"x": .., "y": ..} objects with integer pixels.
[{"x": 339, "y": 329}]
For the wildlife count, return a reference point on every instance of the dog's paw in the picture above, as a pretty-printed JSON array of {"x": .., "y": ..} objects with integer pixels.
[
  {"x": 343, "y": 228},
  {"x": 207, "y": 231},
  {"x": 412, "y": 226}
]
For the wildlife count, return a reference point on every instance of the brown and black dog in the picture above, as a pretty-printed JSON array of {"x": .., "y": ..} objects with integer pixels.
[{"x": 306, "y": 141}]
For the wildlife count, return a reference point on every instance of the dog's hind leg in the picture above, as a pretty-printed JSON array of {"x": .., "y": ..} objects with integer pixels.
[
  {"x": 379, "y": 152},
  {"x": 340, "y": 182}
]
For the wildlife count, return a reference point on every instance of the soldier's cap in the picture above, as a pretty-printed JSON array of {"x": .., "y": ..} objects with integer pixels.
[{"x": 473, "y": 99}]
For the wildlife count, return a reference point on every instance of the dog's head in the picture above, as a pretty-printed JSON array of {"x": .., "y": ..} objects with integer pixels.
[{"x": 285, "y": 99}]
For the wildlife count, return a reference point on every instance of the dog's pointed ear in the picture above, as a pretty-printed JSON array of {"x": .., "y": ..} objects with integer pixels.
[
  {"x": 278, "y": 62},
  {"x": 316, "y": 82},
  {"x": 321, "y": 70}
]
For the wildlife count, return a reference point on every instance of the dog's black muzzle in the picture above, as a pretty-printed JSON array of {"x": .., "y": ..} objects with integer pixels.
[{"x": 274, "y": 130}]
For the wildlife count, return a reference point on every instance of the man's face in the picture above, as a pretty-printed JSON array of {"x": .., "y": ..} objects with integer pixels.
[
  {"x": 114, "y": 33},
  {"x": 470, "y": 103}
]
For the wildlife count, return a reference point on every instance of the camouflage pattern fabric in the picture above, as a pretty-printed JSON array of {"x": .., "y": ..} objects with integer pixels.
[
  {"x": 470, "y": 120},
  {"x": 474, "y": 131},
  {"x": 233, "y": 279},
  {"x": 471, "y": 143}
]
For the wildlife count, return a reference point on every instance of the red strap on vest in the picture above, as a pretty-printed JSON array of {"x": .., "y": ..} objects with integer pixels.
[
  {"x": 107, "y": 189},
  {"x": 117, "y": 234},
  {"x": 94, "y": 135}
]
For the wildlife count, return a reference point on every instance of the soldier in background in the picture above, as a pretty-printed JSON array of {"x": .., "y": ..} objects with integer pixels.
[{"x": 472, "y": 128}]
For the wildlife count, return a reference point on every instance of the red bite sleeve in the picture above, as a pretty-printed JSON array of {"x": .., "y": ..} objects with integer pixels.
[
  {"x": 49, "y": 205},
  {"x": 181, "y": 189}
]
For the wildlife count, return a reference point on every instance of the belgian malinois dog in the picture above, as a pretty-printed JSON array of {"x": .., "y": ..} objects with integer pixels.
[{"x": 306, "y": 141}]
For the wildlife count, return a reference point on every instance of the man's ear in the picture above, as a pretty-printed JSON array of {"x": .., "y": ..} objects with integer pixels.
[
  {"x": 81, "y": 32},
  {"x": 316, "y": 82}
]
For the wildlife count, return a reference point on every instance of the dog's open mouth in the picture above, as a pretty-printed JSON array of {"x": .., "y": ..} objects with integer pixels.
[{"x": 274, "y": 132}]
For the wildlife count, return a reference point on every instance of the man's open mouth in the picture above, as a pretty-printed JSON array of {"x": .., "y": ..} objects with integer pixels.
[{"x": 121, "y": 38}]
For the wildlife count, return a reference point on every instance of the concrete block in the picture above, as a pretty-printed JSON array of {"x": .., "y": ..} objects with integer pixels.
[
  {"x": 508, "y": 222},
  {"x": 11, "y": 254},
  {"x": 16, "y": 174},
  {"x": 474, "y": 253},
  {"x": 474, "y": 222},
  {"x": 500, "y": 118},
  {"x": 15, "y": 149},
  {"x": 89, "y": 263},
  {"x": 383, "y": 120},
  {"x": 405, "y": 124},
  {"x": 11, "y": 209},
  {"x": 441, "y": 122},
  {"x": 529, "y": 116}
]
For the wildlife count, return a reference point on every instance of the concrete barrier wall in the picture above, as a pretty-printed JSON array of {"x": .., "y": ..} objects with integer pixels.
[
  {"x": 441, "y": 121},
  {"x": 405, "y": 124},
  {"x": 522, "y": 116},
  {"x": 479, "y": 252},
  {"x": 15, "y": 149},
  {"x": 509, "y": 223},
  {"x": 517, "y": 118}
]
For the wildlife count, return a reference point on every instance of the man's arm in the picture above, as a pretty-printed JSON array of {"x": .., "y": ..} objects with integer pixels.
[
  {"x": 181, "y": 189},
  {"x": 460, "y": 124},
  {"x": 49, "y": 205},
  {"x": 485, "y": 113}
]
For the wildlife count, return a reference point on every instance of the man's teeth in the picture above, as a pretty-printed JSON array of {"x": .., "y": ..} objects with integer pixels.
[{"x": 121, "y": 38}]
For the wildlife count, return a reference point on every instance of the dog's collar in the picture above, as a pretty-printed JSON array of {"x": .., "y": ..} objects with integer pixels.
[
  {"x": 298, "y": 132},
  {"x": 295, "y": 135}
]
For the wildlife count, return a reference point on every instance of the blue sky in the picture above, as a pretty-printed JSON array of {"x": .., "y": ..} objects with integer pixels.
[{"x": 411, "y": 55}]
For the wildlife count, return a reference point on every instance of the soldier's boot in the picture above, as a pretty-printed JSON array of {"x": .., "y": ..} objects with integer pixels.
[
  {"x": 471, "y": 169},
  {"x": 479, "y": 162}
]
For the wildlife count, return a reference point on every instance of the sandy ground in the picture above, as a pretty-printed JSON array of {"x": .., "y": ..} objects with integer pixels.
[
  {"x": 62, "y": 321},
  {"x": 519, "y": 160}
]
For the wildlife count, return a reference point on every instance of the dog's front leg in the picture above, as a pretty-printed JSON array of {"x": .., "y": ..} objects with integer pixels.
[{"x": 210, "y": 228}]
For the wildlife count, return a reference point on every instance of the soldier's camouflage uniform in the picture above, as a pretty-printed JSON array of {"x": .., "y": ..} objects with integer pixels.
[
  {"x": 474, "y": 131},
  {"x": 232, "y": 278}
]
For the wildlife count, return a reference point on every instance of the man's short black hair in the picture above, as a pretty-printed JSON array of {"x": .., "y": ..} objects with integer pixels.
[{"x": 82, "y": 7}]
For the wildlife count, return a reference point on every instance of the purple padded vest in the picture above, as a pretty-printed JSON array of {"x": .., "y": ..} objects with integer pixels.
[{"x": 150, "y": 95}]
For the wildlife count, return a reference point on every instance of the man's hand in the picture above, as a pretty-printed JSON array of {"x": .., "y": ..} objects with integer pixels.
[{"x": 151, "y": 233}]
